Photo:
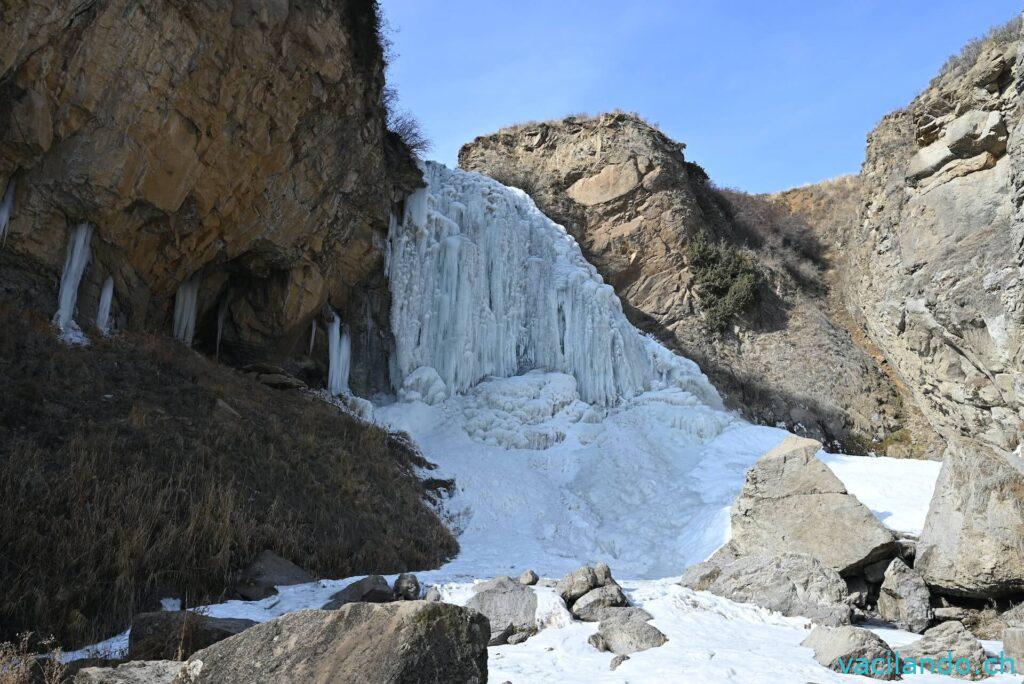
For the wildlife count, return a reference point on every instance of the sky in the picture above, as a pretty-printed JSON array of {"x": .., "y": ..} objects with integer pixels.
[{"x": 766, "y": 95}]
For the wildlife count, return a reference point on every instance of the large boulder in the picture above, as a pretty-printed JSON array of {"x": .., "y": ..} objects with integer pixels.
[
  {"x": 266, "y": 573},
  {"x": 370, "y": 589},
  {"x": 407, "y": 587},
  {"x": 793, "y": 503},
  {"x": 135, "y": 672},
  {"x": 904, "y": 599},
  {"x": 576, "y": 584},
  {"x": 175, "y": 635},
  {"x": 593, "y": 606},
  {"x": 971, "y": 543},
  {"x": 506, "y": 603},
  {"x": 952, "y": 641},
  {"x": 403, "y": 641},
  {"x": 843, "y": 649},
  {"x": 1013, "y": 644},
  {"x": 626, "y": 633},
  {"x": 792, "y": 584}
]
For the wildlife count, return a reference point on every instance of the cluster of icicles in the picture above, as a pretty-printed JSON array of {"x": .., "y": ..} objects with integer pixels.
[{"x": 186, "y": 303}]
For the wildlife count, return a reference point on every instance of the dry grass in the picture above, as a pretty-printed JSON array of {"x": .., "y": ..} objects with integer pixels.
[
  {"x": 123, "y": 483},
  {"x": 1000, "y": 35},
  {"x": 29, "y": 661}
]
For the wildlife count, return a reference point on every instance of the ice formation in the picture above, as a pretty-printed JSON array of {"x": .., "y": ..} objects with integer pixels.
[
  {"x": 339, "y": 349},
  {"x": 103, "y": 311},
  {"x": 6, "y": 210},
  {"x": 75, "y": 261},
  {"x": 483, "y": 284},
  {"x": 185, "y": 309}
]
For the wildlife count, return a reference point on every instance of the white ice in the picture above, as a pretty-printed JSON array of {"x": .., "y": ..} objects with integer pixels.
[
  {"x": 339, "y": 347},
  {"x": 103, "y": 310},
  {"x": 185, "y": 309},
  {"x": 75, "y": 262}
]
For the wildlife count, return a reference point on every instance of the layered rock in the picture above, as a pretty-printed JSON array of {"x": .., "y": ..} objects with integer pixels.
[
  {"x": 241, "y": 142},
  {"x": 641, "y": 213}
]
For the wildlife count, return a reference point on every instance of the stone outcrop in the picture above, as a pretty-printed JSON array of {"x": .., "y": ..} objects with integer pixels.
[
  {"x": 403, "y": 641},
  {"x": 973, "y": 539},
  {"x": 838, "y": 648},
  {"x": 792, "y": 584},
  {"x": 638, "y": 209},
  {"x": 904, "y": 599},
  {"x": 510, "y": 606},
  {"x": 242, "y": 142},
  {"x": 952, "y": 641},
  {"x": 135, "y": 672},
  {"x": 793, "y": 503}
]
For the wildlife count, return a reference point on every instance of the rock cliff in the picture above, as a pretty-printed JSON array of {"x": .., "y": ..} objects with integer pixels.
[
  {"x": 238, "y": 140},
  {"x": 673, "y": 246}
]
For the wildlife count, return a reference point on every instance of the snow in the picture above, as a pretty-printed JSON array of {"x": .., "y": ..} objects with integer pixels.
[
  {"x": 75, "y": 262},
  {"x": 185, "y": 310},
  {"x": 896, "y": 490}
]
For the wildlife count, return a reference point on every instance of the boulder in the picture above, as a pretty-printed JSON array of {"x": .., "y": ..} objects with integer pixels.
[
  {"x": 945, "y": 639},
  {"x": 975, "y": 132},
  {"x": 792, "y": 584},
  {"x": 1013, "y": 645},
  {"x": 433, "y": 594},
  {"x": 506, "y": 602},
  {"x": 529, "y": 578},
  {"x": 626, "y": 634},
  {"x": 267, "y": 572},
  {"x": 576, "y": 584},
  {"x": 592, "y": 606},
  {"x": 840, "y": 648},
  {"x": 402, "y": 641},
  {"x": 175, "y": 635},
  {"x": 702, "y": 575},
  {"x": 793, "y": 503},
  {"x": 904, "y": 599},
  {"x": 971, "y": 543},
  {"x": 407, "y": 587},
  {"x": 135, "y": 672},
  {"x": 616, "y": 661},
  {"x": 370, "y": 589}
]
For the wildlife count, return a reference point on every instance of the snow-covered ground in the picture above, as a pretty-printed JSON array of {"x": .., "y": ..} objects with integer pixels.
[{"x": 616, "y": 450}]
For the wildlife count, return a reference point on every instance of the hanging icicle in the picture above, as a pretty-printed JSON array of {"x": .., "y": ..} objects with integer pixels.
[
  {"x": 6, "y": 210},
  {"x": 339, "y": 349},
  {"x": 74, "y": 267},
  {"x": 185, "y": 310},
  {"x": 103, "y": 312}
]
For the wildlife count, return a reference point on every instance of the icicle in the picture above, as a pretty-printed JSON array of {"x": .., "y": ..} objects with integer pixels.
[
  {"x": 339, "y": 349},
  {"x": 6, "y": 210},
  {"x": 312, "y": 336},
  {"x": 222, "y": 313},
  {"x": 185, "y": 310},
  {"x": 75, "y": 261},
  {"x": 103, "y": 312}
]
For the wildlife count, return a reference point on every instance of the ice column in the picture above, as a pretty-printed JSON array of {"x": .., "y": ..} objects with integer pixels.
[
  {"x": 75, "y": 261},
  {"x": 185, "y": 304},
  {"x": 339, "y": 349},
  {"x": 103, "y": 312}
]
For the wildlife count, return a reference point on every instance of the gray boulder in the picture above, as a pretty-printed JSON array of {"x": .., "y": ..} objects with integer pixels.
[
  {"x": 529, "y": 578},
  {"x": 971, "y": 543},
  {"x": 402, "y": 641},
  {"x": 626, "y": 634},
  {"x": 506, "y": 602},
  {"x": 792, "y": 503},
  {"x": 407, "y": 587},
  {"x": 592, "y": 606},
  {"x": 1013, "y": 644},
  {"x": 433, "y": 594},
  {"x": 904, "y": 599},
  {"x": 135, "y": 672},
  {"x": 266, "y": 573},
  {"x": 945, "y": 639},
  {"x": 576, "y": 584},
  {"x": 792, "y": 584},
  {"x": 175, "y": 635},
  {"x": 840, "y": 647},
  {"x": 370, "y": 589}
]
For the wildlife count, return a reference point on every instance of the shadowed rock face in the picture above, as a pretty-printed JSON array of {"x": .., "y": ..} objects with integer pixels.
[
  {"x": 625, "y": 192},
  {"x": 244, "y": 141}
]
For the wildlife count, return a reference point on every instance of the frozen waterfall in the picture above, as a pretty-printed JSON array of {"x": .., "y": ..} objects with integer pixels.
[
  {"x": 103, "y": 311},
  {"x": 75, "y": 261},
  {"x": 6, "y": 210},
  {"x": 185, "y": 309},
  {"x": 340, "y": 353},
  {"x": 484, "y": 284}
]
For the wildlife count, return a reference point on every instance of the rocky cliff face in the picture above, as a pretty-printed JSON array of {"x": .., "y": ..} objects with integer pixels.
[
  {"x": 238, "y": 140},
  {"x": 935, "y": 259},
  {"x": 644, "y": 216}
]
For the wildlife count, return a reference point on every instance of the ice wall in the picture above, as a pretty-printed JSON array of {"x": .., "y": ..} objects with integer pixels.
[
  {"x": 75, "y": 261},
  {"x": 339, "y": 346},
  {"x": 484, "y": 284},
  {"x": 185, "y": 309}
]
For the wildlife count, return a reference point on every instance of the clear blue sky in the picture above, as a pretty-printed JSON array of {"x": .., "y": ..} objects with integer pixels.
[{"x": 767, "y": 95}]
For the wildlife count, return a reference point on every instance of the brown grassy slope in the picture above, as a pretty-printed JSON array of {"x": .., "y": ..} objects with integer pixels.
[{"x": 122, "y": 482}]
